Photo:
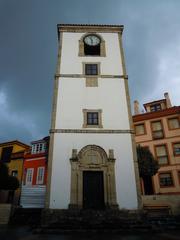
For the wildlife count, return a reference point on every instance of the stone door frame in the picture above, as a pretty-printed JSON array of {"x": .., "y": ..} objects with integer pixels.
[{"x": 80, "y": 162}]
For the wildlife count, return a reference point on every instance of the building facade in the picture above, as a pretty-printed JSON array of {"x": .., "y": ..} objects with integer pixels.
[
  {"x": 12, "y": 154},
  {"x": 158, "y": 128},
  {"x": 92, "y": 158},
  {"x": 35, "y": 175}
]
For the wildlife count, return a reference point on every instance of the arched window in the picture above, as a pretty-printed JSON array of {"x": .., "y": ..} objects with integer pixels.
[{"x": 92, "y": 45}]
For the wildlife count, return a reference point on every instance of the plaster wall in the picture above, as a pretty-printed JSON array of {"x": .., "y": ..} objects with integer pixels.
[{"x": 124, "y": 168}]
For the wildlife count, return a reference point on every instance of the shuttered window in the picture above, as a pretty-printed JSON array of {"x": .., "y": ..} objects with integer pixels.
[
  {"x": 161, "y": 153},
  {"x": 174, "y": 123},
  {"x": 165, "y": 179},
  {"x": 176, "y": 148},
  {"x": 140, "y": 129},
  {"x": 157, "y": 131}
]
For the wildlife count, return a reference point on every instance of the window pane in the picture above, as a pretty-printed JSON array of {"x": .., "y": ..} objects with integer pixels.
[
  {"x": 92, "y": 118},
  {"x": 165, "y": 179},
  {"x": 156, "y": 126},
  {"x": 174, "y": 123},
  {"x": 162, "y": 160},
  {"x": 91, "y": 69},
  {"x": 139, "y": 129},
  {"x": 176, "y": 148},
  {"x": 161, "y": 150}
]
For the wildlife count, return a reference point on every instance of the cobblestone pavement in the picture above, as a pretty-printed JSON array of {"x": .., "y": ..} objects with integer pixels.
[{"x": 25, "y": 233}]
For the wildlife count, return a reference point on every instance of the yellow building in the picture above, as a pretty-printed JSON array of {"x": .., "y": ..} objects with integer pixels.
[{"x": 12, "y": 154}]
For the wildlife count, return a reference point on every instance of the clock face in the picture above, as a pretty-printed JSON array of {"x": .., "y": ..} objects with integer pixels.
[{"x": 92, "y": 40}]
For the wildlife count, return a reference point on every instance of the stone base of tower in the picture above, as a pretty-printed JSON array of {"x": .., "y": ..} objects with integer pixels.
[
  {"x": 87, "y": 219},
  {"x": 65, "y": 221}
]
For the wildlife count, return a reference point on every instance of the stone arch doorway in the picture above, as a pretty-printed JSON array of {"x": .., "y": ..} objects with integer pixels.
[{"x": 92, "y": 178}]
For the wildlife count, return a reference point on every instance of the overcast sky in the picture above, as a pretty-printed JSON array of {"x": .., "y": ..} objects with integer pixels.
[{"x": 28, "y": 54}]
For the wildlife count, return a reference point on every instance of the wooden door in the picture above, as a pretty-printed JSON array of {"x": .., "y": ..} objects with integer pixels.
[{"x": 93, "y": 190}]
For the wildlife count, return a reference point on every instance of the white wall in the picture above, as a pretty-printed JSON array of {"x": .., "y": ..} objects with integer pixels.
[
  {"x": 71, "y": 63},
  {"x": 73, "y": 97},
  {"x": 109, "y": 96},
  {"x": 125, "y": 178}
]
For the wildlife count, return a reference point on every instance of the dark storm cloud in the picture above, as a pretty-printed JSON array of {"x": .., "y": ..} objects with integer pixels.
[{"x": 28, "y": 54}]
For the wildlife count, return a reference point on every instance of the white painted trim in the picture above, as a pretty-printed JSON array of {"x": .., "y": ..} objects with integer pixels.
[
  {"x": 28, "y": 170},
  {"x": 38, "y": 171}
]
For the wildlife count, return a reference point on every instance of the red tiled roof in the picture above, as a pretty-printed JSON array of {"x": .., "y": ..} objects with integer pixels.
[{"x": 161, "y": 113}]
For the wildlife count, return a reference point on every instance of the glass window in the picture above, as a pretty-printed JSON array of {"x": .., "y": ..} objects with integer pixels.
[
  {"x": 14, "y": 173},
  {"x": 173, "y": 123},
  {"x": 91, "y": 69},
  {"x": 29, "y": 176},
  {"x": 40, "y": 175},
  {"x": 157, "y": 131},
  {"x": 161, "y": 153},
  {"x": 155, "y": 107},
  {"x": 165, "y": 179},
  {"x": 92, "y": 118},
  {"x": 140, "y": 129},
  {"x": 176, "y": 148}
]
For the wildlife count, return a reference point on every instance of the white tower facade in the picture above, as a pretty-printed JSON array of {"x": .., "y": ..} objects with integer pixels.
[{"x": 92, "y": 161}]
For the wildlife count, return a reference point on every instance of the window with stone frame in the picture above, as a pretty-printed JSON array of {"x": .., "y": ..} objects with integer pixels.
[
  {"x": 165, "y": 179},
  {"x": 161, "y": 154},
  {"x": 92, "y": 118},
  {"x": 157, "y": 130},
  {"x": 176, "y": 148},
  {"x": 173, "y": 123},
  {"x": 140, "y": 129}
]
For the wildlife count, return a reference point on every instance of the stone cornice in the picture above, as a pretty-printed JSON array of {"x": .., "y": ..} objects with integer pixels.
[
  {"x": 84, "y": 76},
  {"x": 89, "y": 28},
  {"x": 105, "y": 131}
]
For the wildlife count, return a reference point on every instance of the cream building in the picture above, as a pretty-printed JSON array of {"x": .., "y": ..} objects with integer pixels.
[{"x": 92, "y": 159}]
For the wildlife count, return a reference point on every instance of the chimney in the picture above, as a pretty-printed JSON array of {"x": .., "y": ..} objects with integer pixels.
[
  {"x": 136, "y": 107},
  {"x": 168, "y": 101}
]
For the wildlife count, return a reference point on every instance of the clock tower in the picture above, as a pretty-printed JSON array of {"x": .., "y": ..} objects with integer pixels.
[{"x": 92, "y": 158}]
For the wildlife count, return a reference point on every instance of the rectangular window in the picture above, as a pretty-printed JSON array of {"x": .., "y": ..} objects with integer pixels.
[
  {"x": 157, "y": 131},
  {"x": 140, "y": 129},
  {"x": 155, "y": 107},
  {"x": 161, "y": 153},
  {"x": 40, "y": 175},
  {"x": 173, "y": 123},
  {"x": 91, "y": 69},
  {"x": 165, "y": 179},
  {"x": 6, "y": 154},
  {"x": 176, "y": 149},
  {"x": 92, "y": 118},
  {"x": 29, "y": 176},
  {"x": 14, "y": 173}
]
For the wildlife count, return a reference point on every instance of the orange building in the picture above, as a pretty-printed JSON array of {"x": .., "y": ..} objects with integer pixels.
[{"x": 158, "y": 128}]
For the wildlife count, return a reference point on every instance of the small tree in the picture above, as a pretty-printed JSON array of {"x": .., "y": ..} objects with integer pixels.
[{"x": 148, "y": 167}]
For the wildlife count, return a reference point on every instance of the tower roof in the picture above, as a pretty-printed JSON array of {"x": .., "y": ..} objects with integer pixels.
[{"x": 90, "y": 27}]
